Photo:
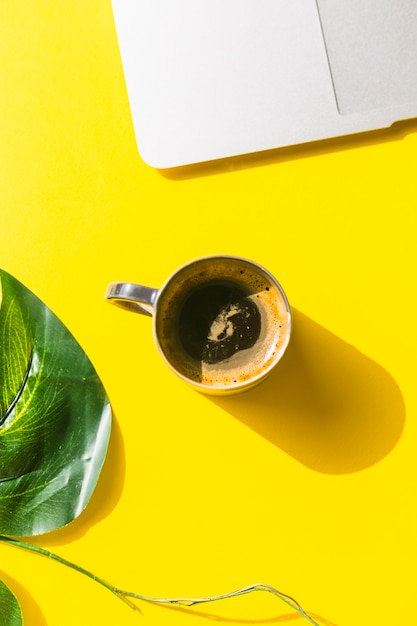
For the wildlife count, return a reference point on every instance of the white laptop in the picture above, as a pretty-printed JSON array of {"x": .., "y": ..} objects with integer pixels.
[{"x": 208, "y": 79}]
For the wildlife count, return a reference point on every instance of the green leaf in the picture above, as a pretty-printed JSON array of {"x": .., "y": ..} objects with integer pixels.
[
  {"x": 10, "y": 613},
  {"x": 55, "y": 417}
]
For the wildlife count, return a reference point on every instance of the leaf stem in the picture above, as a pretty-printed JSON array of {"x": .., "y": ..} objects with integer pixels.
[
  {"x": 31, "y": 548},
  {"x": 232, "y": 594},
  {"x": 126, "y": 595}
]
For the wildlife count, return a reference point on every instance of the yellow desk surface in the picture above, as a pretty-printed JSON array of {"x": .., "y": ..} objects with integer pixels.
[{"x": 306, "y": 483}]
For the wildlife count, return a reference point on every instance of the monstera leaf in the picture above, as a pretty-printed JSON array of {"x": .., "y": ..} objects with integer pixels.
[
  {"x": 54, "y": 417},
  {"x": 10, "y": 613}
]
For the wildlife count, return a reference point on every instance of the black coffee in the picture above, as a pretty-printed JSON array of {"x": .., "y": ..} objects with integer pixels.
[
  {"x": 221, "y": 322},
  {"x": 218, "y": 320}
]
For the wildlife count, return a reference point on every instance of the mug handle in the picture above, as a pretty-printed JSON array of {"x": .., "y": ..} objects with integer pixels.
[{"x": 132, "y": 297}]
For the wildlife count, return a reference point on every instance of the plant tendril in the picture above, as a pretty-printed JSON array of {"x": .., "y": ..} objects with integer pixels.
[{"x": 189, "y": 602}]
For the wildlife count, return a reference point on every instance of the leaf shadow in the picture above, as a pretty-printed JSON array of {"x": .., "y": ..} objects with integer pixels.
[
  {"x": 326, "y": 404},
  {"x": 31, "y": 611},
  {"x": 104, "y": 498}
]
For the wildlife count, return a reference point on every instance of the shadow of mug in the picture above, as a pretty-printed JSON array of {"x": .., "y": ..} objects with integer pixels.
[{"x": 325, "y": 404}]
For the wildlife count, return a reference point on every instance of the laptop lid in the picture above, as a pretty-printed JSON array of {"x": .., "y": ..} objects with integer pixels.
[{"x": 208, "y": 80}]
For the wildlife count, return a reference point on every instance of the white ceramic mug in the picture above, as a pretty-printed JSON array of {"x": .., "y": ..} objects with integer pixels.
[{"x": 221, "y": 323}]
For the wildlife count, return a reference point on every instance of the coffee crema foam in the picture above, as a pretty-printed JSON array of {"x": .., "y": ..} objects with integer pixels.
[{"x": 222, "y": 323}]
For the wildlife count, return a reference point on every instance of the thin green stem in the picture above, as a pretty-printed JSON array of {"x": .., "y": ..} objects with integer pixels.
[
  {"x": 31, "y": 548},
  {"x": 125, "y": 595},
  {"x": 232, "y": 594}
]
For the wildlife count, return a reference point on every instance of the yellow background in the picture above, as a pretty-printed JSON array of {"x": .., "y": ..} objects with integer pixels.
[{"x": 306, "y": 483}]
